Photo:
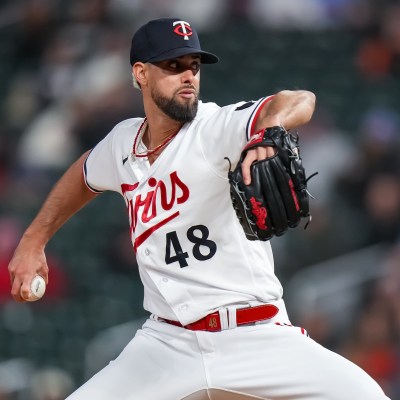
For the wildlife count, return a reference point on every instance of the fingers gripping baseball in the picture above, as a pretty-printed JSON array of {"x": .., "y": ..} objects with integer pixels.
[{"x": 23, "y": 268}]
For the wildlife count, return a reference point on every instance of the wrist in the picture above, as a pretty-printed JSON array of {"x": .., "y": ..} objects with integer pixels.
[{"x": 35, "y": 239}]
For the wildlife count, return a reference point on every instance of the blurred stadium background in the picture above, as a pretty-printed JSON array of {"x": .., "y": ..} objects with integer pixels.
[{"x": 65, "y": 81}]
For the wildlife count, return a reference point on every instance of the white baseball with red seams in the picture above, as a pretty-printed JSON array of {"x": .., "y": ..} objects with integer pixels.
[{"x": 194, "y": 260}]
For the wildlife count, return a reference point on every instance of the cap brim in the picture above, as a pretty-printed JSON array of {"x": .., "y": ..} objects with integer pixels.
[{"x": 206, "y": 58}]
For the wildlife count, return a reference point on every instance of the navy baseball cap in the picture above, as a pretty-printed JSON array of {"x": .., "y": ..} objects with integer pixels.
[{"x": 166, "y": 38}]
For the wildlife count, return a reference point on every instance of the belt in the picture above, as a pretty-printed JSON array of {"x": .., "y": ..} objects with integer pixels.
[{"x": 212, "y": 322}]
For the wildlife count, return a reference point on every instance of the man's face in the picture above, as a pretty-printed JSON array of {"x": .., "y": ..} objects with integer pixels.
[{"x": 174, "y": 87}]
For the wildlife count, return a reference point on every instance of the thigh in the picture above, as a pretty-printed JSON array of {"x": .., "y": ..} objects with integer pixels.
[
  {"x": 279, "y": 362},
  {"x": 157, "y": 363}
]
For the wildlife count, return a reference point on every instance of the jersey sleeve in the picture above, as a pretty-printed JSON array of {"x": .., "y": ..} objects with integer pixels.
[
  {"x": 99, "y": 168},
  {"x": 226, "y": 131}
]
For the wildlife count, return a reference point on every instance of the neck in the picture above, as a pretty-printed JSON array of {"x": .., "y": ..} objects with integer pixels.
[{"x": 158, "y": 130}]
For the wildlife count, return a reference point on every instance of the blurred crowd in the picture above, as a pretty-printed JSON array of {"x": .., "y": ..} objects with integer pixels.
[{"x": 65, "y": 81}]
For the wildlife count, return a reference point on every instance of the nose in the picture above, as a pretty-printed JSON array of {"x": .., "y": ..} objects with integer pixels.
[{"x": 188, "y": 76}]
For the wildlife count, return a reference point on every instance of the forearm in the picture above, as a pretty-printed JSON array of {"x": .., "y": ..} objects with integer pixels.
[
  {"x": 68, "y": 196},
  {"x": 289, "y": 109}
]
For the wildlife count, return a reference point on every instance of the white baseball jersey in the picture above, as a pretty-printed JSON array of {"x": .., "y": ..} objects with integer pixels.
[
  {"x": 191, "y": 250},
  {"x": 194, "y": 259}
]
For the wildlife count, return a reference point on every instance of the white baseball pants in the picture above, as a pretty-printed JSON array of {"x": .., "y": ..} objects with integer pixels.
[{"x": 264, "y": 361}]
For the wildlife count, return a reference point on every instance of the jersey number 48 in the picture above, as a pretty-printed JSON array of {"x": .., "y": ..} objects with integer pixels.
[{"x": 203, "y": 248}]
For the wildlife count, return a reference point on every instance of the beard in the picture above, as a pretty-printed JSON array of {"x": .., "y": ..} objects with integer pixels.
[{"x": 173, "y": 109}]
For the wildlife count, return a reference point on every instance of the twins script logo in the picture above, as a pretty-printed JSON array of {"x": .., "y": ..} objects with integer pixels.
[
  {"x": 183, "y": 29},
  {"x": 145, "y": 208}
]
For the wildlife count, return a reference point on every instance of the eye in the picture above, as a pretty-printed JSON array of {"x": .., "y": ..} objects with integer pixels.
[
  {"x": 173, "y": 65},
  {"x": 196, "y": 66}
]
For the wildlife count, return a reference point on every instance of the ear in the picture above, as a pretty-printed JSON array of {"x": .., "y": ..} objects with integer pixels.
[{"x": 139, "y": 74}]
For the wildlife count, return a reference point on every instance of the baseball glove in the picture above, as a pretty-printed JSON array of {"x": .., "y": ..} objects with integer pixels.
[{"x": 277, "y": 197}]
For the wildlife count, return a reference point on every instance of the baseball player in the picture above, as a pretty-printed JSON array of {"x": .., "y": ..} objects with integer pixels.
[{"x": 218, "y": 327}]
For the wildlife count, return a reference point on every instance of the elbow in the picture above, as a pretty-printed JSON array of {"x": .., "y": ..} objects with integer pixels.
[
  {"x": 299, "y": 96},
  {"x": 309, "y": 99},
  {"x": 305, "y": 100}
]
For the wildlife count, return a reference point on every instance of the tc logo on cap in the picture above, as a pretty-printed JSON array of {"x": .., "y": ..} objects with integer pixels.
[{"x": 183, "y": 29}]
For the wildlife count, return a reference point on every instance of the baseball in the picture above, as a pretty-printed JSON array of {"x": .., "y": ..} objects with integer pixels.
[{"x": 38, "y": 287}]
